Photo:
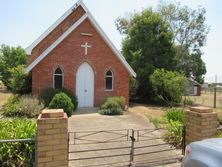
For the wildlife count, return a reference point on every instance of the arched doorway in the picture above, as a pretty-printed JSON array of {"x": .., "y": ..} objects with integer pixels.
[{"x": 85, "y": 85}]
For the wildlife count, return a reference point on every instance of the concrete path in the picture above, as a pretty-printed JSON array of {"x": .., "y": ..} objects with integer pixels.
[{"x": 114, "y": 129}]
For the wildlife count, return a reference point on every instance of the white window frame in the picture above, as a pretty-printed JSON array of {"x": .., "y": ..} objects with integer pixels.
[
  {"x": 58, "y": 75},
  {"x": 109, "y": 76}
]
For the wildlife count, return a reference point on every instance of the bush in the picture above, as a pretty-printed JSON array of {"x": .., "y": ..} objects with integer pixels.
[
  {"x": 47, "y": 95},
  {"x": 113, "y": 106},
  {"x": 72, "y": 97},
  {"x": 24, "y": 106},
  {"x": 111, "y": 111},
  {"x": 188, "y": 102},
  {"x": 176, "y": 118},
  {"x": 175, "y": 114},
  {"x": 168, "y": 86},
  {"x": 20, "y": 82},
  {"x": 10, "y": 57},
  {"x": 134, "y": 84},
  {"x": 17, "y": 154},
  {"x": 61, "y": 100},
  {"x": 174, "y": 133},
  {"x": 12, "y": 106}
]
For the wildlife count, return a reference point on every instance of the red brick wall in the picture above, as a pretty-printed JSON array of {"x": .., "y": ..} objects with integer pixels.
[
  {"x": 69, "y": 56},
  {"x": 56, "y": 33}
]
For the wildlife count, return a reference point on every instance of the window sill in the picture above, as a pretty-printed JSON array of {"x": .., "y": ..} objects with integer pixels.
[{"x": 108, "y": 90}]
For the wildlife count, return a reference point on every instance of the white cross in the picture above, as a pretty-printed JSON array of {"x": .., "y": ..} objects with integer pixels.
[{"x": 86, "y": 46}]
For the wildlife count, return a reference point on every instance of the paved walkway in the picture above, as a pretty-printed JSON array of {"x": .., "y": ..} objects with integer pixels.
[{"x": 92, "y": 122}]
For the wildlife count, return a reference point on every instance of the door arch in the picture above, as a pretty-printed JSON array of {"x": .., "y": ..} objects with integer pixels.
[{"x": 85, "y": 85}]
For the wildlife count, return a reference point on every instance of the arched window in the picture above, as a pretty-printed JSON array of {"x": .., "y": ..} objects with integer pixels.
[
  {"x": 109, "y": 80},
  {"x": 58, "y": 79}
]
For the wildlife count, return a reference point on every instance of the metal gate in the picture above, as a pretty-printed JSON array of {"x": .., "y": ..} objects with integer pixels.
[{"x": 125, "y": 147}]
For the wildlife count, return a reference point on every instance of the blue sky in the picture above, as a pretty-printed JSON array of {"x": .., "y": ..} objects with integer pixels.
[{"x": 22, "y": 21}]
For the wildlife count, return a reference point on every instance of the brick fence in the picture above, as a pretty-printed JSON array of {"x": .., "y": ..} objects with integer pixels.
[
  {"x": 52, "y": 139},
  {"x": 201, "y": 124}
]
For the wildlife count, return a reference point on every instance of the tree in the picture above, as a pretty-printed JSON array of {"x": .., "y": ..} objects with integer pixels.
[
  {"x": 168, "y": 86},
  {"x": 10, "y": 57},
  {"x": 189, "y": 36},
  {"x": 20, "y": 82},
  {"x": 147, "y": 46}
]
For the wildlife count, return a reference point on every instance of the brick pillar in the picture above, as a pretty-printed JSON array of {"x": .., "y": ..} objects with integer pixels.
[
  {"x": 52, "y": 138},
  {"x": 201, "y": 124}
]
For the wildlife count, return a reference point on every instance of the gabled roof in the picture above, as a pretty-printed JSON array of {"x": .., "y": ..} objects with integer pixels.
[
  {"x": 193, "y": 82},
  {"x": 67, "y": 32}
]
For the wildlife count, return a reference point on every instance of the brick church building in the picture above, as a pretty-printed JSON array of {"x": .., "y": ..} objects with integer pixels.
[{"x": 74, "y": 53}]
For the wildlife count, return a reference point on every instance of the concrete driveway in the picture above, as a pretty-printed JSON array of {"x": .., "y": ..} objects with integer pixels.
[{"x": 86, "y": 125}]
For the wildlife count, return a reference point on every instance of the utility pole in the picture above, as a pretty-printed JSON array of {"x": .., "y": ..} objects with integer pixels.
[{"x": 215, "y": 92}]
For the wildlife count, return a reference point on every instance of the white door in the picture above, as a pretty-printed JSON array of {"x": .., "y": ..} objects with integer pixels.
[
  {"x": 85, "y": 85},
  {"x": 195, "y": 90}
]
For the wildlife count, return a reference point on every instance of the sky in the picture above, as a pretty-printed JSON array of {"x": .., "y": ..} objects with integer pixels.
[{"x": 23, "y": 21}]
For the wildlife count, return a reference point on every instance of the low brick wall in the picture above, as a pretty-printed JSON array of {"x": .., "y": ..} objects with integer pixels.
[
  {"x": 201, "y": 124},
  {"x": 52, "y": 139}
]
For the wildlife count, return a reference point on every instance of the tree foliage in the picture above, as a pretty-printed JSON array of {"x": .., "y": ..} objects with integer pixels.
[
  {"x": 147, "y": 46},
  {"x": 10, "y": 57},
  {"x": 20, "y": 81},
  {"x": 189, "y": 36},
  {"x": 168, "y": 86}
]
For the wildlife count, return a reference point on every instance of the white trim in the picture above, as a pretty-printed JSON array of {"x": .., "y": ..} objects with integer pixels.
[
  {"x": 109, "y": 76},
  {"x": 56, "y": 43},
  {"x": 52, "y": 27},
  {"x": 64, "y": 35}
]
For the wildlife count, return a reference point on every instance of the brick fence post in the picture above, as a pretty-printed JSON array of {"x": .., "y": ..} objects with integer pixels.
[
  {"x": 201, "y": 124},
  {"x": 52, "y": 138}
]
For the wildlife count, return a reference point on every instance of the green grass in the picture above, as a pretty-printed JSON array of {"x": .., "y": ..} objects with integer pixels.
[{"x": 157, "y": 121}]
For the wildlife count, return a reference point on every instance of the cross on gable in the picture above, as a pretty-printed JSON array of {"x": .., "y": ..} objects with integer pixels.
[{"x": 86, "y": 46}]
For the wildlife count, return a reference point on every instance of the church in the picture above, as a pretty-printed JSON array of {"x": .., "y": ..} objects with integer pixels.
[{"x": 75, "y": 53}]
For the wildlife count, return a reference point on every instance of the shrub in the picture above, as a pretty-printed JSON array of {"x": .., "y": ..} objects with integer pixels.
[
  {"x": 72, "y": 97},
  {"x": 47, "y": 95},
  {"x": 168, "y": 86},
  {"x": 12, "y": 106},
  {"x": 188, "y": 102},
  {"x": 24, "y": 106},
  {"x": 111, "y": 111},
  {"x": 20, "y": 82},
  {"x": 61, "y": 100},
  {"x": 175, "y": 114},
  {"x": 21, "y": 153},
  {"x": 134, "y": 84},
  {"x": 113, "y": 106},
  {"x": 174, "y": 133}
]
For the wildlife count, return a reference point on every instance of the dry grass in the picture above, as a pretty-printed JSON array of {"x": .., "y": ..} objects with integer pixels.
[
  {"x": 147, "y": 110},
  {"x": 153, "y": 113},
  {"x": 207, "y": 99},
  {"x": 4, "y": 95}
]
